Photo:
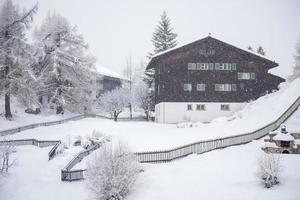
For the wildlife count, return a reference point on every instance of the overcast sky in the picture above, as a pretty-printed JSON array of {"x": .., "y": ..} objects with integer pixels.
[{"x": 117, "y": 29}]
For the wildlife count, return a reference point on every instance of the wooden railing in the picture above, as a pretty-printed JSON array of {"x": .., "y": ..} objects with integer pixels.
[
  {"x": 209, "y": 145},
  {"x": 152, "y": 156},
  {"x": 34, "y": 142},
  {"x": 78, "y": 117},
  {"x": 67, "y": 174}
]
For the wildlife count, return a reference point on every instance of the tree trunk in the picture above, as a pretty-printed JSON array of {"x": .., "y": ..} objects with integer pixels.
[
  {"x": 147, "y": 115},
  {"x": 8, "y": 114},
  {"x": 115, "y": 117},
  {"x": 130, "y": 108}
]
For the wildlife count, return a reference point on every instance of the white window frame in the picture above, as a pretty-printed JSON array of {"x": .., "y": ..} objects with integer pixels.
[
  {"x": 192, "y": 66},
  {"x": 200, "y": 87},
  {"x": 246, "y": 76},
  {"x": 187, "y": 87}
]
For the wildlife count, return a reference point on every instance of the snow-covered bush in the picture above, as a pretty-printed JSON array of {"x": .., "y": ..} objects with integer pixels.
[
  {"x": 112, "y": 172},
  {"x": 6, "y": 162},
  {"x": 269, "y": 169},
  {"x": 115, "y": 101}
]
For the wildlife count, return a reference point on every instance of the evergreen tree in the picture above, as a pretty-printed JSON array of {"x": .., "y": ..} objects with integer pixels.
[
  {"x": 261, "y": 51},
  {"x": 296, "y": 68},
  {"x": 64, "y": 70},
  {"x": 250, "y": 48},
  {"x": 16, "y": 55},
  {"x": 163, "y": 39}
]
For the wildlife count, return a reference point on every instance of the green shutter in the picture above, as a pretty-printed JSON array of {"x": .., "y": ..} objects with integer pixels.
[
  {"x": 233, "y": 66},
  {"x": 252, "y": 76}
]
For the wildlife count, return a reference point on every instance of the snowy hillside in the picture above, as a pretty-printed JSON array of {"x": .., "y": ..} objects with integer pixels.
[{"x": 145, "y": 136}]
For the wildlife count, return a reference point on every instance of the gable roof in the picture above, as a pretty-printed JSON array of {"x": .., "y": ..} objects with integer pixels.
[{"x": 157, "y": 57}]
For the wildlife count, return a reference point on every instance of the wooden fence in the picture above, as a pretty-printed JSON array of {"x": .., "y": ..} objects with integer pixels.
[
  {"x": 67, "y": 174},
  {"x": 75, "y": 118},
  {"x": 209, "y": 145},
  {"x": 152, "y": 156}
]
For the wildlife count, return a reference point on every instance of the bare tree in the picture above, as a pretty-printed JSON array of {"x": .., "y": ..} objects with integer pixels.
[
  {"x": 269, "y": 169},
  {"x": 142, "y": 97},
  {"x": 112, "y": 172},
  {"x": 6, "y": 162},
  {"x": 115, "y": 101}
]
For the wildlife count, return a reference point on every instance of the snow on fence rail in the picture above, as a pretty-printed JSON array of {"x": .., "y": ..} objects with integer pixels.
[
  {"x": 72, "y": 175},
  {"x": 38, "y": 143},
  {"x": 209, "y": 145},
  {"x": 78, "y": 117}
]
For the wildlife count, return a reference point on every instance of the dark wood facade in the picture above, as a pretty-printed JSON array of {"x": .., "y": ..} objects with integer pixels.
[{"x": 171, "y": 73}]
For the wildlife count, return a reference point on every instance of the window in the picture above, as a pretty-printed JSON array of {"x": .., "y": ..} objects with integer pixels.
[
  {"x": 187, "y": 87},
  {"x": 158, "y": 89},
  {"x": 200, "y": 107},
  {"x": 233, "y": 66},
  {"x": 225, "y": 107},
  {"x": 225, "y": 87},
  {"x": 201, "y": 87},
  {"x": 189, "y": 107},
  {"x": 246, "y": 76},
  {"x": 211, "y": 66},
  {"x": 191, "y": 66}
]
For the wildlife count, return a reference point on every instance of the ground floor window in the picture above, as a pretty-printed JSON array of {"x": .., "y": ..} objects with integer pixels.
[
  {"x": 189, "y": 107},
  {"x": 200, "y": 107},
  {"x": 225, "y": 107}
]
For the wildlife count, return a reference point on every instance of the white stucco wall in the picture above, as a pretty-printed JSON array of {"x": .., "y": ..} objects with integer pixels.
[{"x": 174, "y": 112}]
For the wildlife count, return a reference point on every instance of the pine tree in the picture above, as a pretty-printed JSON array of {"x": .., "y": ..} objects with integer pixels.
[
  {"x": 164, "y": 38},
  {"x": 296, "y": 68},
  {"x": 261, "y": 51},
  {"x": 64, "y": 70},
  {"x": 16, "y": 55},
  {"x": 250, "y": 48}
]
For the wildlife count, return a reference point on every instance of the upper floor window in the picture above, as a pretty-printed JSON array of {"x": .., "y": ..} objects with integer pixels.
[
  {"x": 225, "y": 87},
  {"x": 246, "y": 76},
  {"x": 201, "y": 87},
  {"x": 212, "y": 66},
  {"x": 187, "y": 87},
  {"x": 192, "y": 66}
]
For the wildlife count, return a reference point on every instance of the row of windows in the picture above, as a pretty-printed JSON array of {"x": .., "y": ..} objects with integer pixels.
[
  {"x": 246, "y": 76},
  {"x": 223, "y": 107},
  {"x": 211, "y": 66},
  {"x": 218, "y": 87}
]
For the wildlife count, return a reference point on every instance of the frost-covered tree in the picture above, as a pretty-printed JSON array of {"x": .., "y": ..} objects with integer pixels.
[
  {"x": 6, "y": 161},
  {"x": 115, "y": 101},
  {"x": 112, "y": 172},
  {"x": 261, "y": 51},
  {"x": 296, "y": 68},
  {"x": 16, "y": 55},
  {"x": 269, "y": 169},
  {"x": 250, "y": 48},
  {"x": 143, "y": 99},
  {"x": 64, "y": 68}
]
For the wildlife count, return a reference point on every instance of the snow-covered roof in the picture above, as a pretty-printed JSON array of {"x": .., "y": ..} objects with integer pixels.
[
  {"x": 231, "y": 44},
  {"x": 108, "y": 72},
  {"x": 283, "y": 137}
]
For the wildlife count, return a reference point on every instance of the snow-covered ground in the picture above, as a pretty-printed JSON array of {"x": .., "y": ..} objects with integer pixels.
[
  {"x": 145, "y": 136},
  {"x": 20, "y": 118},
  {"x": 229, "y": 173}
]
